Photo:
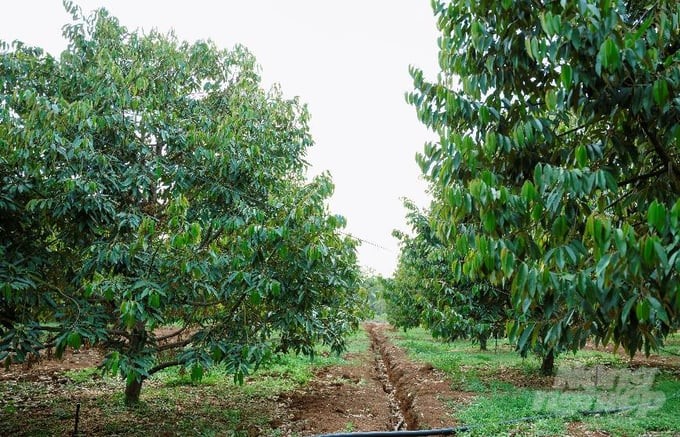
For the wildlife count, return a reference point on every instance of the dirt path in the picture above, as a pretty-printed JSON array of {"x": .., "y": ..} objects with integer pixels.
[{"x": 380, "y": 390}]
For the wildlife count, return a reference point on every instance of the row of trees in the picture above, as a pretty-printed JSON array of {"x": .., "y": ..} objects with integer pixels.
[
  {"x": 556, "y": 174},
  {"x": 424, "y": 292},
  {"x": 146, "y": 182}
]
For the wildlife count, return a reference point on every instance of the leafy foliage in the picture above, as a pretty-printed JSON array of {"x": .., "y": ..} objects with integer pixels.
[
  {"x": 373, "y": 291},
  {"x": 425, "y": 292},
  {"x": 148, "y": 181},
  {"x": 557, "y": 168}
]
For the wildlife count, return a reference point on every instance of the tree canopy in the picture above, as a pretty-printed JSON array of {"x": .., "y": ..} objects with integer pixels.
[
  {"x": 425, "y": 292},
  {"x": 147, "y": 181},
  {"x": 557, "y": 169}
]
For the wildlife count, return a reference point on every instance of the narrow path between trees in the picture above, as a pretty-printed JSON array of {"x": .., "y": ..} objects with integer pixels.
[{"x": 380, "y": 390}]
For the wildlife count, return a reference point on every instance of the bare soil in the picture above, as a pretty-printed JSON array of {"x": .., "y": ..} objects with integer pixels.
[
  {"x": 382, "y": 390},
  {"x": 49, "y": 368},
  {"x": 46, "y": 366}
]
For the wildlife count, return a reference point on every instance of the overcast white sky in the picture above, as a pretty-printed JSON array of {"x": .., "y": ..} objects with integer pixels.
[{"x": 348, "y": 60}]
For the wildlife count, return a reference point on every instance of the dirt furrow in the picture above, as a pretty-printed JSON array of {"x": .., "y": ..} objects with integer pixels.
[
  {"x": 397, "y": 420},
  {"x": 381, "y": 390},
  {"x": 351, "y": 397}
]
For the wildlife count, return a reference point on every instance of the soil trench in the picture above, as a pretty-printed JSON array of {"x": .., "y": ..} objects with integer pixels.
[
  {"x": 379, "y": 390},
  {"x": 400, "y": 404}
]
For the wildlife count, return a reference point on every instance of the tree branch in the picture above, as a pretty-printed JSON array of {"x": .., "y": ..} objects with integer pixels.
[
  {"x": 175, "y": 345},
  {"x": 48, "y": 328},
  {"x": 673, "y": 169},
  {"x": 658, "y": 172},
  {"x": 174, "y": 334},
  {"x": 571, "y": 131},
  {"x": 623, "y": 196},
  {"x": 120, "y": 333},
  {"x": 208, "y": 240},
  {"x": 162, "y": 366}
]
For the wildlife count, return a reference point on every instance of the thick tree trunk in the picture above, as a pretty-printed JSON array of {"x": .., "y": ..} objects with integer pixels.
[
  {"x": 548, "y": 364},
  {"x": 132, "y": 391},
  {"x": 134, "y": 387}
]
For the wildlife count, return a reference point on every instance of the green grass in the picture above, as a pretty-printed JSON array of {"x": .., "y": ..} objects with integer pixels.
[
  {"x": 468, "y": 367},
  {"x": 171, "y": 403},
  {"x": 507, "y": 387},
  {"x": 672, "y": 345}
]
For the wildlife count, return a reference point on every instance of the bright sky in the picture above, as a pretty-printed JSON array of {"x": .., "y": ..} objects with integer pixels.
[{"x": 348, "y": 60}]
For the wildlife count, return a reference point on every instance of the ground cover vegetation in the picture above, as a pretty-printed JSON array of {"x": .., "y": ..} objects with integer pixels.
[
  {"x": 502, "y": 388},
  {"x": 147, "y": 181},
  {"x": 555, "y": 176},
  {"x": 173, "y": 402}
]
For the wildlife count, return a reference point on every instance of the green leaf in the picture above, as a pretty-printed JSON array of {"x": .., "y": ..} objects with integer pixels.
[
  {"x": 642, "y": 310},
  {"x": 154, "y": 300},
  {"x": 490, "y": 143},
  {"x": 507, "y": 262},
  {"x": 529, "y": 192},
  {"x": 196, "y": 372},
  {"x": 566, "y": 75},
  {"x": 551, "y": 99},
  {"x": 659, "y": 310},
  {"x": 608, "y": 56},
  {"x": 656, "y": 216},
  {"x": 276, "y": 287},
  {"x": 538, "y": 175},
  {"x": 195, "y": 232},
  {"x": 647, "y": 250},
  {"x": 74, "y": 340},
  {"x": 620, "y": 241},
  {"x": 113, "y": 362},
  {"x": 522, "y": 343},
  {"x": 547, "y": 23},
  {"x": 661, "y": 255},
  {"x": 627, "y": 307},
  {"x": 489, "y": 221},
  {"x": 660, "y": 91},
  {"x": 560, "y": 227},
  {"x": 535, "y": 53},
  {"x": 520, "y": 279},
  {"x": 581, "y": 156}
]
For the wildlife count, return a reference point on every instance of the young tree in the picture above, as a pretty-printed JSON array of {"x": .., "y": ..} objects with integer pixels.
[
  {"x": 373, "y": 290},
  {"x": 148, "y": 181},
  {"x": 424, "y": 280},
  {"x": 558, "y": 163}
]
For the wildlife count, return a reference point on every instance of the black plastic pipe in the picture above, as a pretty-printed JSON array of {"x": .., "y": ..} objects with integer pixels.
[{"x": 423, "y": 432}]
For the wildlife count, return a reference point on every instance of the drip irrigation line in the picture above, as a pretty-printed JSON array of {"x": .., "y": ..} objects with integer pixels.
[
  {"x": 466, "y": 428},
  {"x": 370, "y": 243}
]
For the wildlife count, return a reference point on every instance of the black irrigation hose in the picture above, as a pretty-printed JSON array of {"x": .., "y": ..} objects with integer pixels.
[
  {"x": 466, "y": 428},
  {"x": 425, "y": 432}
]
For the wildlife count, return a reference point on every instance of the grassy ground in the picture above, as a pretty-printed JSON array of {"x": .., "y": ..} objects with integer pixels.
[
  {"x": 505, "y": 387},
  {"x": 214, "y": 406}
]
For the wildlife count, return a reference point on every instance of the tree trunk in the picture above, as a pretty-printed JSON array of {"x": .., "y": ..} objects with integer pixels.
[
  {"x": 482, "y": 342},
  {"x": 134, "y": 386},
  {"x": 548, "y": 364},
  {"x": 132, "y": 391}
]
